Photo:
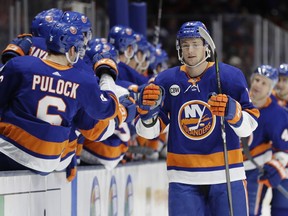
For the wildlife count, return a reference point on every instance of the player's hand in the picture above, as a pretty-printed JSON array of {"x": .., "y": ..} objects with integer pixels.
[
  {"x": 274, "y": 173},
  {"x": 104, "y": 63},
  {"x": 19, "y": 46},
  {"x": 226, "y": 106},
  {"x": 150, "y": 100},
  {"x": 71, "y": 169},
  {"x": 127, "y": 109}
]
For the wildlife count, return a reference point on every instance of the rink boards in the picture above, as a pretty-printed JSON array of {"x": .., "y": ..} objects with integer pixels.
[{"x": 132, "y": 189}]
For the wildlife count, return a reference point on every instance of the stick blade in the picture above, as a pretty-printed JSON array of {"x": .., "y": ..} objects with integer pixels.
[{"x": 204, "y": 34}]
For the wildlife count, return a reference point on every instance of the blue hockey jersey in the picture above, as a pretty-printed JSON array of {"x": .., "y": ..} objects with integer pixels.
[
  {"x": 270, "y": 135},
  {"x": 40, "y": 100},
  {"x": 195, "y": 144}
]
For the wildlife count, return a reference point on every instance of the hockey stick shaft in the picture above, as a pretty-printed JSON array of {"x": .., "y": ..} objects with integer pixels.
[
  {"x": 247, "y": 153},
  {"x": 211, "y": 43},
  {"x": 157, "y": 27}
]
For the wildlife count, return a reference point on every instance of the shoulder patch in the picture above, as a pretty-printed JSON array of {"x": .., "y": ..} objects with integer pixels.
[{"x": 174, "y": 90}]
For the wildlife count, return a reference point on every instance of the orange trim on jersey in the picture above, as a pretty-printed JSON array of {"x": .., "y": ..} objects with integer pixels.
[
  {"x": 237, "y": 115},
  {"x": 267, "y": 103},
  {"x": 113, "y": 96},
  {"x": 104, "y": 150},
  {"x": 79, "y": 149},
  {"x": 244, "y": 182},
  {"x": 56, "y": 65},
  {"x": 153, "y": 144},
  {"x": 255, "y": 112},
  {"x": 96, "y": 131},
  {"x": 199, "y": 161},
  {"x": 258, "y": 198},
  {"x": 184, "y": 68},
  {"x": 31, "y": 142},
  {"x": 141, "y": 140},
  {"x": 71, "y": 147},
  {"x": 14, "y": 48},
  {"x": 259, "y": 149}
]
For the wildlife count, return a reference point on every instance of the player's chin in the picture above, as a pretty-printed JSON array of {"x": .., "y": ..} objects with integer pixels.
[{"x": 191, "y": 61}]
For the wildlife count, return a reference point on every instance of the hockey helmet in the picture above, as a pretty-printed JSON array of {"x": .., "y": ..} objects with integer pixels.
[
  {"x": 161, "y": 58},
  {"x": 269, "y": 72},
  {"x": 43, "y": 21},
  {"x": 283, "y": 70},
  {"x": 121, "y": 37},
  {"x": 97, "y": 46},
  {"x": 80, "y": 21},
  {"x": 189, "y": 30},
  {"x": 63, "y": 36}
]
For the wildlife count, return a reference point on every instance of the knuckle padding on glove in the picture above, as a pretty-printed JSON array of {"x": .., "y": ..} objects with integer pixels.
[
  {"x": 223, "y": 105},
  {"x": 149, "y": 101},
  {"x": 150, "y": 95},
  {"x": 218, "y": 104}
]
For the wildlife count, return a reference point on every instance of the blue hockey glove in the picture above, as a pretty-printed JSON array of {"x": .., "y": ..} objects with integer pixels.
[
  {"x": 127, "y": 109},
  {"x": 71, "y": 169},
  {"x": 150, "y": 101},
  {"x": 19, "y": 46},
  {"x": 224, "y": 105},
  {"x": 104, "y": 63},
  {"x": 274, "y": 173},
  {"x": 134, "y": 91}
]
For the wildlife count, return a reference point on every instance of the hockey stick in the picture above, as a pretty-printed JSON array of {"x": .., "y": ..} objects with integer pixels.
[
  {"x": 157, "y": 27},
  {"x": 246, "y": 151},
  {"x": 209, "y": 40}
]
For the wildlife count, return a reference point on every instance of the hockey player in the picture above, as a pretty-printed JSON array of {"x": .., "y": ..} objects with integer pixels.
[
  {"x": 140, "y": 63},
  {"x": 279, "y": 202},
  {"x": 48, "y": 95},
  {"x": 281, "y": 89},
  {"x": 266, "y": 141},
  {"x": 122, "y": 38},
  {"x": 111, "y": 150},
  {"x": 40, "y": 27},
  {"x": 195, "y": 162},
  {"x": 160, "y": 60}
]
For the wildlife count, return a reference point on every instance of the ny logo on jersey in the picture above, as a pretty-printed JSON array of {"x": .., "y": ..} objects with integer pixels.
[{"x": 196, "y": 120}]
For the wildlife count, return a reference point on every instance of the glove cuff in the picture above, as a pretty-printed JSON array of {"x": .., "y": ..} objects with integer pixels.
[
  {"x": 234, "y": 116},
  {"x": 149, "y": 122},
  {"x": 106, "y": 65},
  {"x": 122, "y": 114},
  {"x": 15, "y": 49}
]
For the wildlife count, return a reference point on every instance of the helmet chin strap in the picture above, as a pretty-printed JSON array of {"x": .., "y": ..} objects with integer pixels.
[
  {"x": 128, "y": 57},
  {"x": 69, "y": 60}
]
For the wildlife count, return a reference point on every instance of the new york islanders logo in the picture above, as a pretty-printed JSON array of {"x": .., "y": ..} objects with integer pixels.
[
  {"x": 84, "y": 19},
  {"x": 196, "y": 120}
]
